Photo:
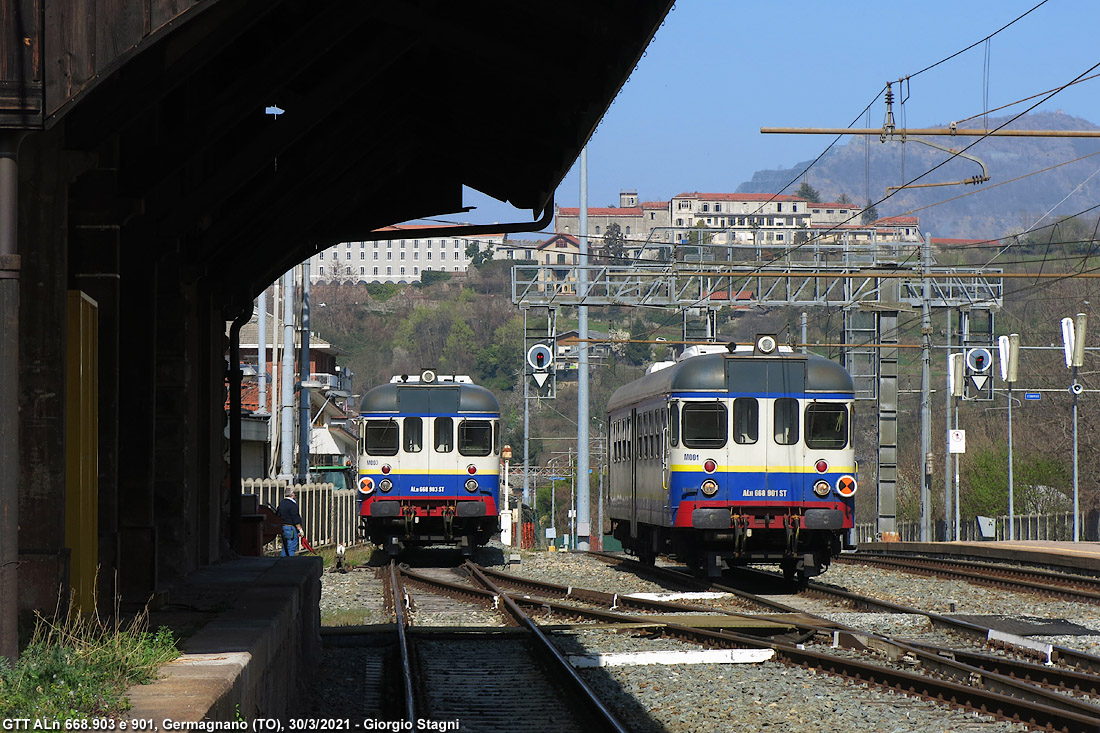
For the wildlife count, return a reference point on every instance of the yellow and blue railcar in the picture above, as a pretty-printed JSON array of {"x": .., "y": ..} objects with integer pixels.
[
  {"x": 429, "y": 463},
  {"x": 735, "y": 455}
]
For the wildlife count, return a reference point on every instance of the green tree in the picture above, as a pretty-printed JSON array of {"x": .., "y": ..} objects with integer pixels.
[
  {"x": 637, "y": 353},
  {"x": 614, "y": 243},
  {"x": 459, "y": 351},
  {"x": 431, "y": 277},
  {"x": 1040, "y": 483},
  {"x": 870, "y": 213},
  {"x": 477, "y": 255},
  {"x": 808, "y": 192},
  {"x": 843, "y": 199},
  {"x": 499, "y": 362}
]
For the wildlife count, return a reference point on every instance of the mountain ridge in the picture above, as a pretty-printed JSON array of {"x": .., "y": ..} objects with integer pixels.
[{"x": 866, "y": 167}]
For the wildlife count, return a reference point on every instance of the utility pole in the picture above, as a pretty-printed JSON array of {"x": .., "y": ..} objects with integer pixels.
[
  {"x": 948, "y": 393},
  {"x": 583, "y": 519},
  {"x": 304, "y": 374},
  {"x": 286, "y": 467},
  {"x": 926, "y": 396}
]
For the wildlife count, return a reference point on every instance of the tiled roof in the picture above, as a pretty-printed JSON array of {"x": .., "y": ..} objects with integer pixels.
[
  {"x": 250, "y": 396},
  {"x": 654, "y": 204},
  {"x": 725, "y": 295},
  {"x": 739, "y": 196},
  {"x": 568, "y": 238},
  {"x": 898, "y": 221},
  {"x": 601, "y": 211}
]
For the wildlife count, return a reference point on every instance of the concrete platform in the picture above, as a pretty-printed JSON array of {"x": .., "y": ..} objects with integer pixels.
[
  {"x": 1081, "y": 556},
  {"x": 252, "y": 630}
]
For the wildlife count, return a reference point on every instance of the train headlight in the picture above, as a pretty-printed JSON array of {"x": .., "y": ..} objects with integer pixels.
[
  {"x": 822, "y": 465},
  {"x": 366, "y": 484},
  {"x": 710, "y": 466},
  {"x": 385, "y": 468},
  {"x": 710, "y": 487},
  {"x": 471, "y": 485},
  {"x": 766, "y": 344},
  {"x": 822, "y": 488},
  {"x": 846, "y": 486},
  {"x": 385, "y": 484},
  {"x": 471, "y": 469}
]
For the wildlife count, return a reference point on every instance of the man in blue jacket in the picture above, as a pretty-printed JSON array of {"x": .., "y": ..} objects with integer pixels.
[{"x": 292, "y": 523}]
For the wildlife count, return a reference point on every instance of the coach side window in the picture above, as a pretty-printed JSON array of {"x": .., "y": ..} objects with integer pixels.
[
  {"x": 381, "y": 438},
  {"x": 786, "y": 421},
  {"x": 746, "y": 420},
  {"x": 444, "y": 435},
  {"x": 475, "y": 437},
  {"x": 704, "y": 424},
  {"x": 826, "y": 425},
  {"x": 414, "y": 434}
]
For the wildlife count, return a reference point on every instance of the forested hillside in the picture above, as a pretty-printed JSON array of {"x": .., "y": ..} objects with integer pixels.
[{"x": 470, "y": 326}]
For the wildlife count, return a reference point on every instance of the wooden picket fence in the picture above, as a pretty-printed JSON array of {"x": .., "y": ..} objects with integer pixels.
[{"x": 328, "y": 514}]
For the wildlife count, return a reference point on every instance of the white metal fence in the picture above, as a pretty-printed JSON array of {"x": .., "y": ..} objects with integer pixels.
[
  {"x": 328, "y": 514},
  {"x": 1057, "y": 526}
]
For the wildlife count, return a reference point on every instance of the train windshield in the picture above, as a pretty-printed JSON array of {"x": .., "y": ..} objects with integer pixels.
[
  {"x": 826, "y": 425},
  {"x": 703, "y": 424},
  {"x": 381, "y": 437},
  {"x": 475, "y": 437}
]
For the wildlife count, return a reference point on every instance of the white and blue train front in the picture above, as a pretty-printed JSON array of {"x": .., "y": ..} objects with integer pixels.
[
  {"x": 735, "y": 455},
  {"x": 429, "y": 464}
]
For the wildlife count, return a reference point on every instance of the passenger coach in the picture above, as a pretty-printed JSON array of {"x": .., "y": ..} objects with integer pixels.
[
  {"x": 734, "y": 455},
  {"x": 429, "y": 464}
]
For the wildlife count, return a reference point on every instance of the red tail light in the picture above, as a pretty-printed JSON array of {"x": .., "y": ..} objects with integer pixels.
[{"x": 710, "y": 466}]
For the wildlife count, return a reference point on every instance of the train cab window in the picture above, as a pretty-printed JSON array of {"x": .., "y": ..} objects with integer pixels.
[
  {"x": 444, "y": 435},
  {"x": 674, "y": 424},
  {"x": 381, "y": 438},
  {"x": 414, "y": 434},
  {"x": 746, "y": 420},
  {"x": 826, "y": 425},
  {"x": 475, "y": 437},
  {"x": 785, "y": 421},
  {"x": 704, "y": 424}
]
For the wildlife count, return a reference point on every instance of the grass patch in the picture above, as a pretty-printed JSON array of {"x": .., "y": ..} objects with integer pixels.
[
  {"x": 80, "y": 666},
  {"x": 354, "y": 556},
  {"x": 350, "y": 617}
]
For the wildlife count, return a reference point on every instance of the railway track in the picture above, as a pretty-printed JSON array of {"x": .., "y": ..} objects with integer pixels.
[
  {"x": 504, "y": 678},
  {"x": 1054, "y": 692},
  {"x": 1077, "y": 588}
]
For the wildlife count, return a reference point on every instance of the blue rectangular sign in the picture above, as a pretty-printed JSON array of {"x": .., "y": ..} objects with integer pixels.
[{"x": 1032, "y": 395}]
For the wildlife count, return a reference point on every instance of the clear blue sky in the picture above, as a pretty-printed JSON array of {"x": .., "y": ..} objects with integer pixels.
[{"x": 689, "y": 117}]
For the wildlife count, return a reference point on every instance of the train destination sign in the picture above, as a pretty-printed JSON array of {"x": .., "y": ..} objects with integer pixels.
[{"x": 1032, "y": 395}]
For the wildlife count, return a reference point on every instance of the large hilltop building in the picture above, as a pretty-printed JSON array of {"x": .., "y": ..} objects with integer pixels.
[
  {"x": 725, "y": 222},
  {"x": 697, "y": 225}
]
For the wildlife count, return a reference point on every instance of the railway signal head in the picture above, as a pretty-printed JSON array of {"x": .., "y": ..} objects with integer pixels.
[
  {"x": 979, "y": 360},
  {"x": 540, "y": 357}
]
